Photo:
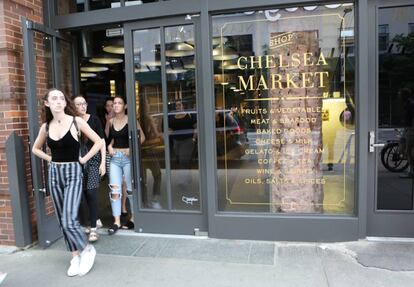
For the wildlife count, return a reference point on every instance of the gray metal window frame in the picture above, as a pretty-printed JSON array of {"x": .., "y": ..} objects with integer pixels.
[
  {"x": 323, "y": 227},
  {"x": 380, "y": 222},
  {"x": 177, "y": 219}
]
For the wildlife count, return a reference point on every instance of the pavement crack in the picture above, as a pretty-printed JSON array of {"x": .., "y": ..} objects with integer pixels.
[
  {"x": 352, "y": 255},
  {"x": 319, "y": 252}
]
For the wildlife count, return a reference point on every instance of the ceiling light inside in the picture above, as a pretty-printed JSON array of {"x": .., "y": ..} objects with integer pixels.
[
  {"x": 88, "y": 75},
  {"x": 114, "y": 49},
  {"x": 224, "y": 53},
  {"x": 106, "y": 60},
  {"x": 94, "y": 69},
  {"x": 179, "y": 50}
]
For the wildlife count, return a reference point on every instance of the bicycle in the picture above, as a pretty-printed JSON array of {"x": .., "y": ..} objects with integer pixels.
[{"x": 393, "y": 156}]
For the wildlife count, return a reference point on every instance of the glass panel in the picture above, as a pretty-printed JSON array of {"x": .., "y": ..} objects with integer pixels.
[
  {"x": 148, "y": 87},
  {"x": 285, "y": 110},
  {"x": 138, "y": 2},
  {"x": 44, "y": 81},
  {"x": 182, "y": 116},
  {"x": 396, "y": 110},
  {"x": 64, "y": 59},
  {"x": 103, "y": 4},
  {"x": 72, "y": 6}
]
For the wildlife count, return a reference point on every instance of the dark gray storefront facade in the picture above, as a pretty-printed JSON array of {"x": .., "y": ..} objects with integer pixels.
[{"x": 311, "y": 74}]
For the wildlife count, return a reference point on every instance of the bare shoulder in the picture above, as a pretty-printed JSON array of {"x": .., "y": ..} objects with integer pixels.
[
  {"x": 43, "y": 128},
  {"x": 81, "y": 122}
]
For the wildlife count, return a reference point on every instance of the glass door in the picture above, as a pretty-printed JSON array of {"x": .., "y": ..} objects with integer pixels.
[
  {"x": 48, "y": 62},
  {"x": 162, "y": 98},
  {"x": 391, "y": 140}
]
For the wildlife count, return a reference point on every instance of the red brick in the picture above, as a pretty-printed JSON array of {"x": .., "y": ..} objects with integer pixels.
[{"x": 13, "y": 113}]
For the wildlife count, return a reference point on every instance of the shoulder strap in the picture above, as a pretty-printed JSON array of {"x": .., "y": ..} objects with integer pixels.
[{"x": 75, "y": 123}]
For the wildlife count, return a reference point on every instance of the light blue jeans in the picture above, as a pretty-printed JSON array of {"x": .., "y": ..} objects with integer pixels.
[{"x": 120, "y": 166}]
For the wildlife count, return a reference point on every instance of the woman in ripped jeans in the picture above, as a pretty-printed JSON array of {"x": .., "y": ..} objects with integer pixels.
[{"x": 120, "y": 165}]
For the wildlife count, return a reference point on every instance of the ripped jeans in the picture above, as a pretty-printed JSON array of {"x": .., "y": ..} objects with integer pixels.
[{"x": 120, "y": 166}]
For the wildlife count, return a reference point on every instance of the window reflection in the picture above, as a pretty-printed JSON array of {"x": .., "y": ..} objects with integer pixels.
[
  {"x": 169, "y": 155},
  {"x": 148, "y": 88},
  {"x": 182, "y": 117},
  {"x": 73, "y": 6},
  {"x": 396, "y": 108},
  {"x": 285, "y": 109}
]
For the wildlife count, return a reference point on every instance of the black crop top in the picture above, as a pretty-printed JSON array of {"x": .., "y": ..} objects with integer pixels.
[
  {"x": 120, "y": 137},
  {"x": 64, "y": 150}
]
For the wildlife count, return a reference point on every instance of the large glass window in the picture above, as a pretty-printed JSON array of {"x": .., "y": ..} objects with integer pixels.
[
  {"x": 169, "y": 155},
  {"x": 73, "y": 6},
  {"x": 395, "y": 110},
  {"x": 285, "y": 109}
]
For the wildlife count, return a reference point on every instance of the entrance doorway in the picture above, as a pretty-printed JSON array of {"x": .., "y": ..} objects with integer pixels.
[
  {"x": 391, "y": 192},
  {"x": 162, "y": 94}
]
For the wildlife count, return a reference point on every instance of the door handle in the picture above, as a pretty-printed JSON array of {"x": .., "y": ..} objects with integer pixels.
[
  {"x": 133, "y": 162},
  {"x": 372, "y": 144}
]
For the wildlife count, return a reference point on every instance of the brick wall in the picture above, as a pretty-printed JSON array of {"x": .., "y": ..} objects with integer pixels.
[{"x": 13, "y": 111}]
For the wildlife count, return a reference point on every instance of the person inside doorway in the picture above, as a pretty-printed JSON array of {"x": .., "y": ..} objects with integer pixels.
[
  {"x": 107, "y": 115},
  {"x": 182, "y": 127},
  {"x": 120, "y": 165},
  {"x": 92, "y": 171},
  {"x": 153, "y": 139},
  {"x": 61, "y": 131}
]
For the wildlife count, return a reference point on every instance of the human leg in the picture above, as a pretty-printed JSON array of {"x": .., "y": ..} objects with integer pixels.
[
  {"x": 93, "y": 180},
  {"x": 115, "y": 193},
  {"x": 71, "y": 202},
  {"x": 92, "y": 199},
  {"x": 128, "y": 181},
  {"x": 65, "y": 184},
  {"x": 56, "y": 187},
  {"x": 124, "y": 211},
  {"x": 126, "y": 169}
]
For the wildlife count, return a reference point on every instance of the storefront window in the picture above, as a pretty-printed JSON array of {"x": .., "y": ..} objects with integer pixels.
[
  {"x": 73, "y": 6},
  {"x": 285, "y": 110}
]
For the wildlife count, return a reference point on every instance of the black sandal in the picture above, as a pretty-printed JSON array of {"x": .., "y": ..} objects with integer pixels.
[
  {"x": 113, "y": 229},
  {"x": 128, "y": 225}
]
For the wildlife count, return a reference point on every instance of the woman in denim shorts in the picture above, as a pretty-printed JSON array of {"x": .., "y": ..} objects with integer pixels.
[{"x": 120, "y": 165}]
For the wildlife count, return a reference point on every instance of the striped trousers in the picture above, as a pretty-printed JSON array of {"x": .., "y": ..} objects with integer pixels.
[{"x": 65, "y": 185}]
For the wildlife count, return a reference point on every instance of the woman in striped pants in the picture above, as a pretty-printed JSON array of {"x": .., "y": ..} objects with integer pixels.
[{"x": 62, "y": 131}]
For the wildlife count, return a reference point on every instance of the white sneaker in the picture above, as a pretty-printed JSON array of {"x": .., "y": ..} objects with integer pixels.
[
  {"x": 2, "y": 276},
  {"x": 87, "y": 259},
  {"x": 99, "y": 223},
  {"x": 74, "y": 266}
]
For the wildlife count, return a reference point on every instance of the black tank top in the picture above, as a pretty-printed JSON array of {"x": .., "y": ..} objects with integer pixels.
[
  {"x": 120, "y": 137},
  {"x": 64, "y": 150}
]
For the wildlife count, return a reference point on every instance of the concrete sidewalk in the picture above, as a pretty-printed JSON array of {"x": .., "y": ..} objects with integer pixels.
[{"x": 130, "y": 260}]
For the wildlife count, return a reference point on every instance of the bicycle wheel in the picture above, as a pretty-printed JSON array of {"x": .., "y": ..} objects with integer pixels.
[{"x": 392, "y": 159}]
